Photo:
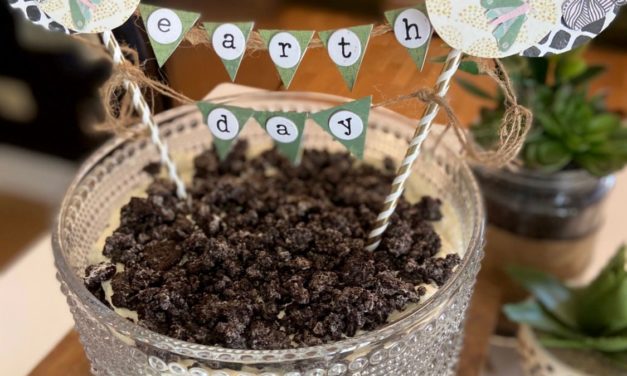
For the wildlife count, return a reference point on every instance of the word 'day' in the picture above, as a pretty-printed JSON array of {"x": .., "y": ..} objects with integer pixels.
[
  {"x": 347, "y": 124},
  {"x": 166, "y": 29},
  {"x": 286, "y": 130},
  {"x": 229, "y": 42},
  {"x": 286, "y": 49},
  {"x": 225, "y": 123}
]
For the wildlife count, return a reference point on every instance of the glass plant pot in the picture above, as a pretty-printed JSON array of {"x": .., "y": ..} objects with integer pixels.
[
  {"x": 545, "y": 221},
  {"x": 423, "y": 341}
]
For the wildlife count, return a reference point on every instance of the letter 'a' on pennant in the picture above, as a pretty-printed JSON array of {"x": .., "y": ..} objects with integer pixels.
[
  {"x": 286, "y": 130},
  {"x": 166, "y": 28},
  {"x": 229, "y": 42},
  {"x": 286, "y": 49},
  {"x": 225, "y": 123},
  {"x": 346, "y": 47},
  {"x": 347, "y": 124},
  {"x": 412, "y": 30}
]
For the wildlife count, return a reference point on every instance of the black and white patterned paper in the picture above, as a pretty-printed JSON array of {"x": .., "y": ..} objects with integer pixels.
[{"x": 30, "y": 10}]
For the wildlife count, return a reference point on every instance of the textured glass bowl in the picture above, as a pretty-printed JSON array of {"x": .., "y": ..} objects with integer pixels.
[{"x": 424, "y": 341}]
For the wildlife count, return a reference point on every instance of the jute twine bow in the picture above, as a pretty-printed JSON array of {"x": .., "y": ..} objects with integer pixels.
[{"x": 514, "y": 127}]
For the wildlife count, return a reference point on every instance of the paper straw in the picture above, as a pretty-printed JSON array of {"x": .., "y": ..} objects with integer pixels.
[
  {"x": 424, "y": 127},
  {"x": 141, "y": 106}
]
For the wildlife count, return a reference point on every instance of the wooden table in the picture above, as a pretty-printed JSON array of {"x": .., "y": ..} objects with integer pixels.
[{"x": 387, "y": 72}]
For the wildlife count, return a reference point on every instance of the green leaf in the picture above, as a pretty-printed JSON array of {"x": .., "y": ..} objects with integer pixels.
[
  {"x": 439, "y": 59},
  {"x": 539, "y": 69},
  {"x": 549, "y": 123},
  {"x": 470, "y": 67},
  {"x": 604, "y": 344},
  {"x": 531, "y": 313},
  {"x": 603, "y": 124},
  {"x": 474, "y": 90},
  {"x": 587, "y": 75},
  {"x": 549, "y": 291}
]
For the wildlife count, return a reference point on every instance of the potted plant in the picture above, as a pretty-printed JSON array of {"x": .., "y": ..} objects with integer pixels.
[
  {"x": 573, "y": 331},
  {"x": 544, "y": 211}
]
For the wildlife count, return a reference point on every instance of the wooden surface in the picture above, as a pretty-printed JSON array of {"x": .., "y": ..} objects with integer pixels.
[{"x": 387, "y": 72}]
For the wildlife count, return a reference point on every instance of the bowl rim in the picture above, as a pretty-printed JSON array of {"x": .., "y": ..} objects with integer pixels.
[{"x": 122, "y": 326}]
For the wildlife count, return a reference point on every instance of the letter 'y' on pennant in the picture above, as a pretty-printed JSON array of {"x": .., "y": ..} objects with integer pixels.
[
  {"x": 347, "y": 124},
  {"x": 286, "y": 49},
  {"x": 286, "y": 130},
  {"x": 229, "y": 42},
  {"x": 346, "y": 47},
  {"x": 225, "y": 123},
  {"x": 166, "y": 28},
  {"x": 412, "y": 30}
]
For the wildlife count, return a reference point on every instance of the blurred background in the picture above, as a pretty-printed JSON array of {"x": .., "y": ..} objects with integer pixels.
[{"x": 49, "y": 91}]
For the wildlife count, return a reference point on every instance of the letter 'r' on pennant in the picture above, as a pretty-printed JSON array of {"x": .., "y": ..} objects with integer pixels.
[
  {"x": 347, "y": 124},
  {"x": 229, "y": 42},
  {"x": 166, "y": 28},
  {"x": 346, "y": 47},
  {"x": 225, "y": 123},
  {"x": 286, "y": 130},
  {"x": 412, "y": 30},
  {"x": 286, "y": 49}
]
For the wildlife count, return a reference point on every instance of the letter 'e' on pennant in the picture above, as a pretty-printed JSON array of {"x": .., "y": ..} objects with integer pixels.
[
  {"x": 286, "y": 49},
  {"x": 286, "y": 130},
  {"x": 412, "y": 30},
  {"x": 347, "y": 124},
  {"x": 166, "y": 28},
  {"x": 229, "y": 42},
  {"x": 346, "y": 47},
  {"x": 225, "y": 123}
]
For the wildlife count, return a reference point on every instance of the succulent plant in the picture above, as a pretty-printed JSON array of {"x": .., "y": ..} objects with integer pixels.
[
  {"x": 593, "y": 317},
  {"x": 571, "y": 128}
]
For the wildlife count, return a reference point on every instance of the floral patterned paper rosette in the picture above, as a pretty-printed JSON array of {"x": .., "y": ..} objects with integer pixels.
[
  {"x": 89, "y": 16},
  {"x": 493, "y": 28}
]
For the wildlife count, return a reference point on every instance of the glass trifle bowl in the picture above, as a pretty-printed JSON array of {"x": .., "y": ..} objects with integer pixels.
[{"x": 424, "y": 339}]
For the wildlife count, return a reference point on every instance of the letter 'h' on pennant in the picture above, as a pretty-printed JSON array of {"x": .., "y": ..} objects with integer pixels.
[
  {"x": 225, "y": 123},
  {"x": 412, "y": 30},
  {"x": 166, "y": 29},
  {"x": 286, "y": 49},
  {"x": 229, "y": 42},
  {"x": 347, "y": 124}
]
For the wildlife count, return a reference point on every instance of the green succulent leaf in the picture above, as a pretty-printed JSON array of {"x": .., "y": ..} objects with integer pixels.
[
  {"x": 603, "y": 344},
  {"x": 475, "y": 90},
  {"x": 603, "y": 124},
  {"x": 531, "y": 313},
  {"x": 587, "y": 75},
  {"x": 470, "y": 67}
]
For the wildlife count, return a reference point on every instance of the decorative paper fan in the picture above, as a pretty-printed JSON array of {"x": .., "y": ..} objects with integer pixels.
[{"x": 89, "y": 16}]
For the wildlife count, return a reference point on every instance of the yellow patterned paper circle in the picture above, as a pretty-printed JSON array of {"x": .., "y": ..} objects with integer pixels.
[
  {"x": 493, "y": 28},
  {"x": 89, "y": 16}
]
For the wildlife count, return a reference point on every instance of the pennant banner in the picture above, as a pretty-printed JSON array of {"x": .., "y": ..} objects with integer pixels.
[
  {"x": 229, "y": 42},
  {"x": 166, "y": 28},
  {"x": 225, "y": 124},
  {"x": 286, "y": 129},
  {"x": 347, "y": 124},
  {"x": 346, "y": 47},
  {"x": 286, "y": 49},
  {"x": 412, "y": 30}
]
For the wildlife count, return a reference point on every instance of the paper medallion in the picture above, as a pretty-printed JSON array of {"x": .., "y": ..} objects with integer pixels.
[
  {"x": 89, "y": 16},
  {"x": 493, "y": 28},
  {"x": 581, "y": 21}
]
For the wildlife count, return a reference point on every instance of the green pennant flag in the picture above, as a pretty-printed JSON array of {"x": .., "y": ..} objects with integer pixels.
[
  {"x": 347, "y": 124},
  {"x": 229, "y": 42},
  {"x": 225, "y": 123},
  {"x": 346, "y": 47},
  {"x": 286, "y": 49},
  {"x": 286, "y": 130},
  {"x": 412, "y": 30},
  {"x": 166, "y": 28}
]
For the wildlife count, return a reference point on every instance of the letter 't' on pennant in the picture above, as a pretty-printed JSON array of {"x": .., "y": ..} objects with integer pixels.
[
  {"x": 286, "y": 130},
  {"x": 347, "y": 124},
  {"x": 346, "y": 47},
  {"x": 412, "y": 30},
  {"x": 166, "y": 28},
  {"x": 286, "y": 49},
  {"x": 225, "y": 123},
  {"x": 229, "y": 42}
]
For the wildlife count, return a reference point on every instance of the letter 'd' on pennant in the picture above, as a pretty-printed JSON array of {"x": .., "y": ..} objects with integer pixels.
[
  {"x": 225, "y": 123},
  {"x": 412, "y": 30},
  {"x": 229, "y": 42},
  {"x": 347, "y": 124},
  {"x": 286, "y": 49},
  {"x": 286, "y": 130},
  {"x": 166, "y": 28},
  {"x": 346, "y": 47}
]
